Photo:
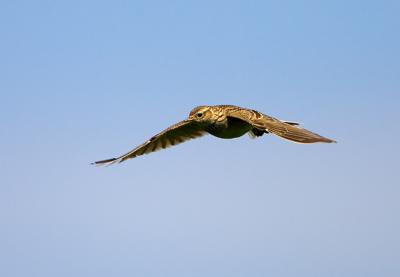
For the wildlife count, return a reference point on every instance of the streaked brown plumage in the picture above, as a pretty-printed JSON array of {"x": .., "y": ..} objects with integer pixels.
[{"x": 223, "y": 121}]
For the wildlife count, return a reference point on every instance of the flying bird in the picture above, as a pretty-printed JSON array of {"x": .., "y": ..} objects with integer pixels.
[{"x": 222, "y": 121}]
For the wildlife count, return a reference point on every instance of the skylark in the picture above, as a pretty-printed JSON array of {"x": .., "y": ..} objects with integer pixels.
[{"x": 222, "y": 121}]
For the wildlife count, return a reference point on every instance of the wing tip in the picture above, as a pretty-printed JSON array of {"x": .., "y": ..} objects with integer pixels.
[
  {"x": 105, "y": 162},
  {"x": 327, "y": 140}
]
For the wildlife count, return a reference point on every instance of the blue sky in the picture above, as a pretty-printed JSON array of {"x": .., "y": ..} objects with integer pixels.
[{"x": 87, "y": 80}]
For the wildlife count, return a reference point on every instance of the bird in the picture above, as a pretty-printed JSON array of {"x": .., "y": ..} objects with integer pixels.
[{"x": 221, "y": 121}]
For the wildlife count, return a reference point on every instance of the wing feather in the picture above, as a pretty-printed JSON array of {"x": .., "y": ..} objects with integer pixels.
[
  {"x": 178, "y": 133},
  {"x": 286, "y": 130}
]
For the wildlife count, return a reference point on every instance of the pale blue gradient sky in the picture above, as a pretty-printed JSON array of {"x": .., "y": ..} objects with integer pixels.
[{"x": 87, "y": 80}]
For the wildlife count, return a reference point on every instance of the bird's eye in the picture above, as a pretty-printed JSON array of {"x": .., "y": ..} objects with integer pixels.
[{"x": 199, "y": 115}]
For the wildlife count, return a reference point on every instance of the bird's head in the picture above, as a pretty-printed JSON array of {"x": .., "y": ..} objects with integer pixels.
[{"x": 202, "y": 114}]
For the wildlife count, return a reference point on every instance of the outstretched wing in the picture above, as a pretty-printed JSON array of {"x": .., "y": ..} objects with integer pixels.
[
  {"x": 286, "y": 130},
  {"x": 178, "y": 133}
]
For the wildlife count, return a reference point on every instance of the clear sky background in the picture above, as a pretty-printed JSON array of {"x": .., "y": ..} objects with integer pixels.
[{"x": 87, "y": 80}]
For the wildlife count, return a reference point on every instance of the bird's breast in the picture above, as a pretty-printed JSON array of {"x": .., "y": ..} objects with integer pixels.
[{"x": 230, "y": 128}]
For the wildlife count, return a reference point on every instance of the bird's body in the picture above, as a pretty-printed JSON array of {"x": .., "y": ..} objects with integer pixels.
[
  {"x": 222, "y": 121},
  {"x": 221, "y": 125},
  {"x": 229, "y": 128}
]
